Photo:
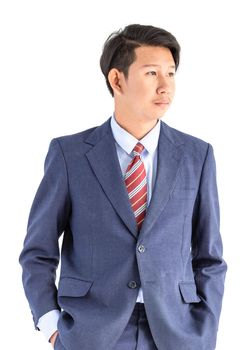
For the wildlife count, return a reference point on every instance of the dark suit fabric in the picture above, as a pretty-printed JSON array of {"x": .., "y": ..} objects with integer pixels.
[{"x": 181, "y": 270}]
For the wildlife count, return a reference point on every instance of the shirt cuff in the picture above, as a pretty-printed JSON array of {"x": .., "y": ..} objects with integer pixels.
[{"x": 48, "y": 323}]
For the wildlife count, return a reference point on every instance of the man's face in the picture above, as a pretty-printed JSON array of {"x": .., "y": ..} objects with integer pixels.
[{"x": 149, "y": 89}]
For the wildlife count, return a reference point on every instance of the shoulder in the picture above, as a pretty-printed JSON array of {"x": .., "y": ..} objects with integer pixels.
[
  {"x": 74, "y": 138},
  {"x": 71, "y": 143},
  {"x": 88, "y": 136},
  {"x": 192, "y": 145}
]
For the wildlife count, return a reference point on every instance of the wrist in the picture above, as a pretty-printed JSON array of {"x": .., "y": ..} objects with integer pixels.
[{"x": 53, "y": 338}]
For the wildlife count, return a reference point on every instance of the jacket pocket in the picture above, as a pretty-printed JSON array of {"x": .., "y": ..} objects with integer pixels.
[
  {"x": 189, "y": 292},
  {"x": 73, "y": 287}
]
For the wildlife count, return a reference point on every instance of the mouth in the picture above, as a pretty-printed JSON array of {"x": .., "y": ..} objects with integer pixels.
[{"x": 162, "y": 104}]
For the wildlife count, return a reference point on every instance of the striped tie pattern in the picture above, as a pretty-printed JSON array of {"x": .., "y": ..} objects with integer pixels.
[{"x": 136, "y": 184}]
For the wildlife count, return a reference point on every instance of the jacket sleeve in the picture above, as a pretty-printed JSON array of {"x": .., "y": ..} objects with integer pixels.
[
  {"x": 47, "y": 220},
  {"x": 208, "y": 264}
]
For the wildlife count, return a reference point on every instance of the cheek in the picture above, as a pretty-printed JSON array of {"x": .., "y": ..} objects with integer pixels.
[
  {"x": 173, "y": 87},
  {"x": 140, "y": 91},
  {"x": 141, "y": 84}
]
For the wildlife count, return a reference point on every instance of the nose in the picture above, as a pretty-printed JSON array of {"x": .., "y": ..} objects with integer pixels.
[{"x": 165, "y": 85}]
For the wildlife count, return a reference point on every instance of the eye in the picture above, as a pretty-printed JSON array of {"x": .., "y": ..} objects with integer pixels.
[
  {"x": 151, "y": 73},
  {"x": 171, "y": 74}
]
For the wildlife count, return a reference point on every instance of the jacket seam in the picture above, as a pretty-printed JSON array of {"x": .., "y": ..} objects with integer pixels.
[{"x": 65, "y": 164}]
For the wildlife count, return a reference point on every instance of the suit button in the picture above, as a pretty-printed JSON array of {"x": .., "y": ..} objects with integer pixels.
[
  {"x": 141, "y": 248},
  {"x": 132, "y": 284}
]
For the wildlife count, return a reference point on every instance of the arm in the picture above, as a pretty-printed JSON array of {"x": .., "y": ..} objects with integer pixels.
[
  {"x": 208, "y": 264},
  {"x": 47, "y": 220}
]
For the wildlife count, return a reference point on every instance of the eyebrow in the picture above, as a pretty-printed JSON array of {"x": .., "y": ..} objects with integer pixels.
[{"x": 154, "y": 65}]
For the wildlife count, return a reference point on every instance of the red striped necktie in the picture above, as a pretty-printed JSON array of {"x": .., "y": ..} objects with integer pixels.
[{"x": 136, "y": 184}]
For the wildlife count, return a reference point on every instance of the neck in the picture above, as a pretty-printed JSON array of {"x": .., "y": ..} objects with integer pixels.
[{"x": 137, "y": 128}]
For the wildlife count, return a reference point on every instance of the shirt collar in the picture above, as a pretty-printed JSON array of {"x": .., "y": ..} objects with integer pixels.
[{"x": 127, "y": 141}]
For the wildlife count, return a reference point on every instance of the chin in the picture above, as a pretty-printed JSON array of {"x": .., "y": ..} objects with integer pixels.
[
  {"x": 152, "y": 116},
  {"x": 159, "y": 116}
]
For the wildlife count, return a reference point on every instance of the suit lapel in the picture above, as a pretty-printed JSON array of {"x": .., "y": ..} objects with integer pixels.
[
  {"x": 104, "y": 161},
  {"x": 170, "y": 157}
]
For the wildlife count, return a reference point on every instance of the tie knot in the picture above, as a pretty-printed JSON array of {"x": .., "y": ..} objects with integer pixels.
[{"x": 138, "y": 149}]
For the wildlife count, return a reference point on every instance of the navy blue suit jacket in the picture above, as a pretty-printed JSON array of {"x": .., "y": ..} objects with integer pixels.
[{"x": 181, "y": 270}]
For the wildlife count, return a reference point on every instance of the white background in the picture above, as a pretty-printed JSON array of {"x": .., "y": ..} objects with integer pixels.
[{"x": 51, "y": 85}]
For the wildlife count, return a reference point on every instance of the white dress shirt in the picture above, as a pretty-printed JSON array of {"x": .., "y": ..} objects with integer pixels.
[{"x": 125, "y": 143}]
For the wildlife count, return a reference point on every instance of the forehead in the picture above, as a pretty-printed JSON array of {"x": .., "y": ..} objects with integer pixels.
[{"x": 148, "y": 55}]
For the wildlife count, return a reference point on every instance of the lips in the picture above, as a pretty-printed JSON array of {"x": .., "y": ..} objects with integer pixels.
[{"x": 162, "y": 102}]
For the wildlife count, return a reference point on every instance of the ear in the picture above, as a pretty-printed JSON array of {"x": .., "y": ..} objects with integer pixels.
[{"x": 115, "y": 78}]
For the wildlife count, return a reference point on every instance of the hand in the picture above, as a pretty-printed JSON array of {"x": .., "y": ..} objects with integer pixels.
[{"x": 53, "y": 338}]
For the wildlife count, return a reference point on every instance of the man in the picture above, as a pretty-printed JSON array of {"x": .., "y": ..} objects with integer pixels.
[{"x": 137, "y": 202}]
